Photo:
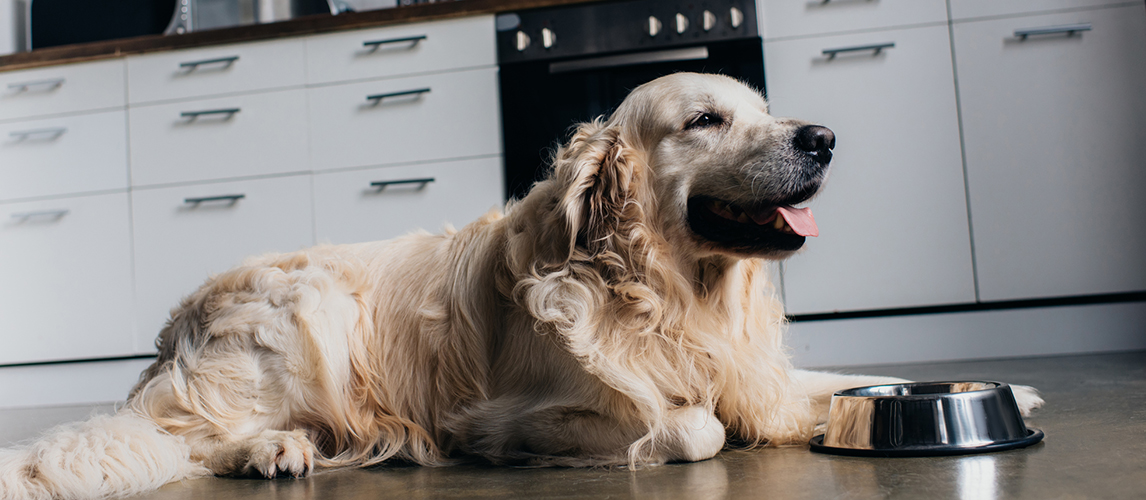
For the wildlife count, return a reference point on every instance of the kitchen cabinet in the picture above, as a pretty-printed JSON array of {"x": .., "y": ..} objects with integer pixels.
[
  {"x": 1054, "y": 130},
  {"x": 61, "y": 155},
  {"x": 382, "y": 203},
  {"x": 893, "y": 214},
  {"x": 968, "y": 9},
  {"x": 70, "y": 88},
  {"x": 180, "y": 242},
  {"x": 787, "y": 18},
  {"x": 224, "y": 69},
  {"x": 66, "y": 275}
]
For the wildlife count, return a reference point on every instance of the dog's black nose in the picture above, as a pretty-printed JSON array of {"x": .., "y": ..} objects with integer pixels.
[{"x": 817, "y": 141}]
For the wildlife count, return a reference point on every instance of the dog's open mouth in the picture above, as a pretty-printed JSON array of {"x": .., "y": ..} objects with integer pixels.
[{"x": 754, "y": 229}]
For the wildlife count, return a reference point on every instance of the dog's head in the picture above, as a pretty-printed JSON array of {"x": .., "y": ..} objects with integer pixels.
[{"x": 698, "y": 159}]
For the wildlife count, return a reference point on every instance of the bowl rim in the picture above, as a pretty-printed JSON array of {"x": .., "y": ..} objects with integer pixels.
[{"x": 995, "y": 386}]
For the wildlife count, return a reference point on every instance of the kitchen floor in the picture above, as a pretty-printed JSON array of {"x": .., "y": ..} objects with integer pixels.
[{"x": 1095, "y": 447}]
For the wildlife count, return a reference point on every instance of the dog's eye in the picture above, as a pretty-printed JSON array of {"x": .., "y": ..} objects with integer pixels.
[{"x": 705, "y": 120}]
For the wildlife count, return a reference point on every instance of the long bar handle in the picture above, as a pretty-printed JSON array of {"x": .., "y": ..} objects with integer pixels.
[
  {"x": 1069, "y": 29},
  {"x": 50, "y": 83},
  {"x": 877, "y": 48},
  {"x": 55, "y": 214},
  {"x": 412, "y": 40},
  {"x": 24, "y": 134},
  {"x": 227, "y": 197},
  {"x": 218, "y": 60},
  {"x": 196, "y": 114},
  {"x": 379, "y": 97},
  {"x": 382, "y": 184}
]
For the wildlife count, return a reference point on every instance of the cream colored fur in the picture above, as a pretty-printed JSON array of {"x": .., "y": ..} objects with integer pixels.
[{"x": 584, "y": 326}]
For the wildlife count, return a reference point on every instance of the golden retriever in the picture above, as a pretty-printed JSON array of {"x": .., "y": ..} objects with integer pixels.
[{"x": 620, "y": 314}]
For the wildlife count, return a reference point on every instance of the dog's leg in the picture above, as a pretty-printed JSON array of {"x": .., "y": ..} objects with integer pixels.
[
  {"x": 268, "y": 454},
  {"x": 819, "y": 387}
]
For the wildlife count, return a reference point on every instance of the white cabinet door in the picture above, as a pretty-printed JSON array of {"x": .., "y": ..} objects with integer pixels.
[
  {"x": 893, "y": 216},
  {"x": 401, "y": 50},
  {"x": 381, "y": 203},
  {"x": 1055, "y": 133},
  {"x": 178, "y": 244},
  {"x": 65, "y": 88},
  {"x": 963, "y": 9},
  {"x": 226, "y": 137},
  {"x": 787, "y": 18},
  {"x": 223, "y": 69},
  {"x": 432, "y": 117},
  {"x": 65, "y": 279},
  {"x": 69, "y": 154}
]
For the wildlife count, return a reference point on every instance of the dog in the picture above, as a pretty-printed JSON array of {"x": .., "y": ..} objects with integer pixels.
[{"x": 620, "y": 314}]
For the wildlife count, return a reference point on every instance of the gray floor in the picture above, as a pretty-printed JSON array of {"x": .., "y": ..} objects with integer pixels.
[{"x": 1095, "y": 447}]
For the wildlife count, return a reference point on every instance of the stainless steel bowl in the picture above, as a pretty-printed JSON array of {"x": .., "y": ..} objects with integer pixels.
[{"x": 924, "y": 419}]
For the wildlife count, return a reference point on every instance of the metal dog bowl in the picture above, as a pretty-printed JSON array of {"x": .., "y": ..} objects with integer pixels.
[{"x": 924, "y": 419}]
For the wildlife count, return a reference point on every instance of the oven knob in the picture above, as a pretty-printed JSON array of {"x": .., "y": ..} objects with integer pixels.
[
  {"x": 548, "y": 37},
  {"x": 708, "y": 20},
  {"x": 522, "y": 41},
  {"x": 681, "y": 24},
  {"x": 737, "y": 17},
  {"x": 654, "y": 26}
]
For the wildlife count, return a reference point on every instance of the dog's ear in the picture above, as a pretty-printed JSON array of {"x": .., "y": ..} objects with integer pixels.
[{"x": 602, "y": 177}]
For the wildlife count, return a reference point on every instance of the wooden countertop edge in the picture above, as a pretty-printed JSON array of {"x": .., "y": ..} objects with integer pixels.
[{"x": 308, "y": 25}]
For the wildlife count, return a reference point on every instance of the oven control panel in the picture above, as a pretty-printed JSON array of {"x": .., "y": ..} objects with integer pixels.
[{"x": 616, "y": 27}]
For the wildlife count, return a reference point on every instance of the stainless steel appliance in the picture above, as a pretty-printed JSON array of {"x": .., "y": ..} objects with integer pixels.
[
  {"x": 198, "y": 15},
  {"x": 561, "y": 66}
]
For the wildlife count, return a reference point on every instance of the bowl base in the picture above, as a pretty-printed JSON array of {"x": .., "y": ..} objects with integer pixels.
[{"x": 1033, "y": 436}]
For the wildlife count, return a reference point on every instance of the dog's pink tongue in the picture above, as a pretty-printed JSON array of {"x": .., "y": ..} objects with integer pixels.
[{"x": 800, "y": 220}]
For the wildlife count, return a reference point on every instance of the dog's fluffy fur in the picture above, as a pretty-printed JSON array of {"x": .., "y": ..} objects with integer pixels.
[{"x": 589, "y": 325}]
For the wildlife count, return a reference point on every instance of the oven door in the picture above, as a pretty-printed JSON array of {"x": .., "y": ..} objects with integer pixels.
[{"x": 542, "y": 100}]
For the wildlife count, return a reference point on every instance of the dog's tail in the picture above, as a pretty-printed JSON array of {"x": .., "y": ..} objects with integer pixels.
[{"x": 117, "y": 455}]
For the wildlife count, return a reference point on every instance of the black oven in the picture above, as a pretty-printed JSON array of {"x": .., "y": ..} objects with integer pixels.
[{"x": 566, "y": 65}]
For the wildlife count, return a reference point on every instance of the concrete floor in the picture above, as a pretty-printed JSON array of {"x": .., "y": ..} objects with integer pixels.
[{"x": 1095, "y": 447}]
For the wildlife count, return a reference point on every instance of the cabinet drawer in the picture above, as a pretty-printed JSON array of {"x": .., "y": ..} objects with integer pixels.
[
  {"x": 237, "y": 136},
  {"x": 61, "y": 89},
  {"x": 63, "y": 155},
  {"x": 1053, "y": 130},
  {"x": 963, "y": 9},
  {"x": 401, "y": 50},
  {"x": 381, "y": 203},
  {"x": 893, "y": 214},
  {"x": 178, "y": 244},
  {"x": 785, "y": 18},
  {"x": 453, "y": 115},
  {"x": 215, "y": 70},
  {"x": 66, "y": 275}
]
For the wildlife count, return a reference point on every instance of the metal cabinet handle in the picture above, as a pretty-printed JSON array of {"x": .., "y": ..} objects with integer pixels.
[
  {"x": 196, "y": 114},
  {"x": 382, "y": 184},
  {"x": 232, "y": 198},
  {"x": 54, "y": 132},
  {"x": 1068, "y": 29},
  {"x": 412, "y": 40},
  {"x": 22, "y": 86},
  {"x": 54, "y": 214},
  {"x": 877, "y": 48},
  {"x": 379, "y": 97},
  {"x": 226, "y": 61}
]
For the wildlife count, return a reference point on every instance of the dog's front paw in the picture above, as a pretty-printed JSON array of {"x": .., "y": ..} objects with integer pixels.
[
  {"x": 281, "y": 452},
  {"x": 1027, "y": 398}
]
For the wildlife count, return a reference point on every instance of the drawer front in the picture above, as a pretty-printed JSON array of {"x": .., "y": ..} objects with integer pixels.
[
  {"x": 71, "y": 154},
  {"x": 456, "y": 116},
  {"x": 266, "y": 135},
  {"x": 349, "y": 209},
  {"x": 785, "y": 18},
  {"x": 893, "y": 214},
  {"x": 963, "y": 9},
  {"x": 1053, "y": 130},
  {"x": 66, "y": 275},
  {"x": 61, "y": 89},
  {"x": 179, "y": 244},
  {"x": 401, "y": 50},
  {"x": 215, "y": 70}
]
